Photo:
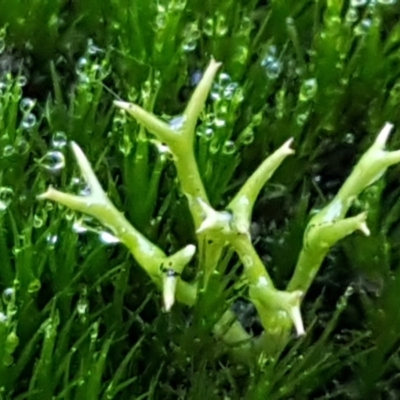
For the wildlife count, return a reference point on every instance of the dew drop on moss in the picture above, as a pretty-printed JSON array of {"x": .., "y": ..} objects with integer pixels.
[
  {"x": 247, "y": 137},
  {"x": 272, "y": 66},
  {"x": 22, "y": 146},
  {"x": 230, "y": 90},
  {"x": 28, "y": 121},
  {"x": 205, "y": 132},
  {"x": 22, "y": 80},
  {"x": 229, "y": 147},
  {"x": 82, "y": 307},
  {"x": 59, "y": 140},
  {"x": 37, "y": 221},
  {"x": 208, "y": 28},
  {"x": 82, "y": 64},
  {"x": 34, "y": 286},
  {"x": 349, "y": 138},
  {"x": 219, "y": 122},
  {"x": 8, "y": 151},
  {"x": 190, "y": 37},
  {"x": 53, "y": 161},
  {"x": 363, "y": 27},
  {"x": 8, "y": 295},
  {"x": 3, "y": 318},
  {"x": 51, "y": 240},
  {"x": 195, "y": 77},
  {"x": 308, "y": 89},
  {"x": 221, "y": 27},
  {"x": 352, "y": 15},
  {"x": 26, "y": 105},
  {"x": 6, "y": 196},
  {"x": 301, "y": 118},
  {"x": 214, "y": 147},
  {"x": 358, "y": 3}
]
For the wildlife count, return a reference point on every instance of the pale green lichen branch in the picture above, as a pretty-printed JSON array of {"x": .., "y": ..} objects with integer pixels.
[
  {"x": 198, "y": 100},
  {"x": 243, "y": 202},
  {"x": 179, "y": 137},
  {"x": 148, "y": 255},
  {"x": 329, "y": 225},
  {"x": 278, "y": 310}
]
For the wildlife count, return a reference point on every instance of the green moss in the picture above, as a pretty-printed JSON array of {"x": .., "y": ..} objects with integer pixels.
[{"x": 78, "y": 317}]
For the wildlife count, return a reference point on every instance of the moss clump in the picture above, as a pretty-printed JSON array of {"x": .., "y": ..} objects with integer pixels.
[{"x": 78, "y": 318}]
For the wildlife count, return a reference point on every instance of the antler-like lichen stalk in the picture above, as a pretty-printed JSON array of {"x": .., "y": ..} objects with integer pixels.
[
  {"x": 329, "y": 225},
  {"x": 230, "y": 226},
  {"x": 162, "y": 269}
]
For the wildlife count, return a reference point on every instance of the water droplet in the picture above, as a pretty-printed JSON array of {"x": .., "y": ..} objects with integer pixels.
[
  {"x": 349, "y": 138},
  {"x": 22, "y": 146},
  {"x": 22, "y": 81},
  {"x": 214, "y": 147},
  {"x": 208, "y": 28},
  {"x": 205, "y": 132},
  {"x": 177, "y": 123},
  {"x": 224, "y": 79},
  {"x": 247, "y": 136},
  {"x": 221, "y": 27},
  {"x": 241, "y": 55},
  {"x": 59, "y": 140},
  {"x": 26, "y": 105},
  {"x": 352, "y": 15},
  {"x": 161, "y": 18},
  {"x": 82, "y": 65},
  {"x": 8, "y": 295},
  {"x": 272, "y": 50},
  {"x": 82, "y": 306},
  {"x": 80, "y": 187},
  {"x": 3, "y": 318},
  {"x": 219, "y": 122},
  {"x": 358, "y": 3},
  {"x": 230, "y": 90},
  {"x": 8, "y": 150},
  {"x": 34, "y": 286},
  {"x": 229, "y": 147},
  {"x": 189, "y": 46},
  {"x": 215, "y": 93},
  {"x": 53, "y": 161},
  {"x": 386, "y": 2},
  {"x": 51, "y": 240},
  {"x": 176, "y": 5},
  {"x": 308, "y": 89},
  {"x": 195, "y": 78},
  {"x": 108, "y": 238},
  {"x": 302, "y": 118},
  {"x": 272, "y": 66},
  {"x": 94, "y": 331},
  {"x": 37, "y": 221},
  {"x": 190, "y": 37},
  {"x": 6, "y": 196},
  {"x": 363, "y": 27},
  {"x": 28, "y": 121}
]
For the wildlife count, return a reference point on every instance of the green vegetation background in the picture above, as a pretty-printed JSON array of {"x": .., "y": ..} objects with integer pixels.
[{"x": 78, "y": 318}]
